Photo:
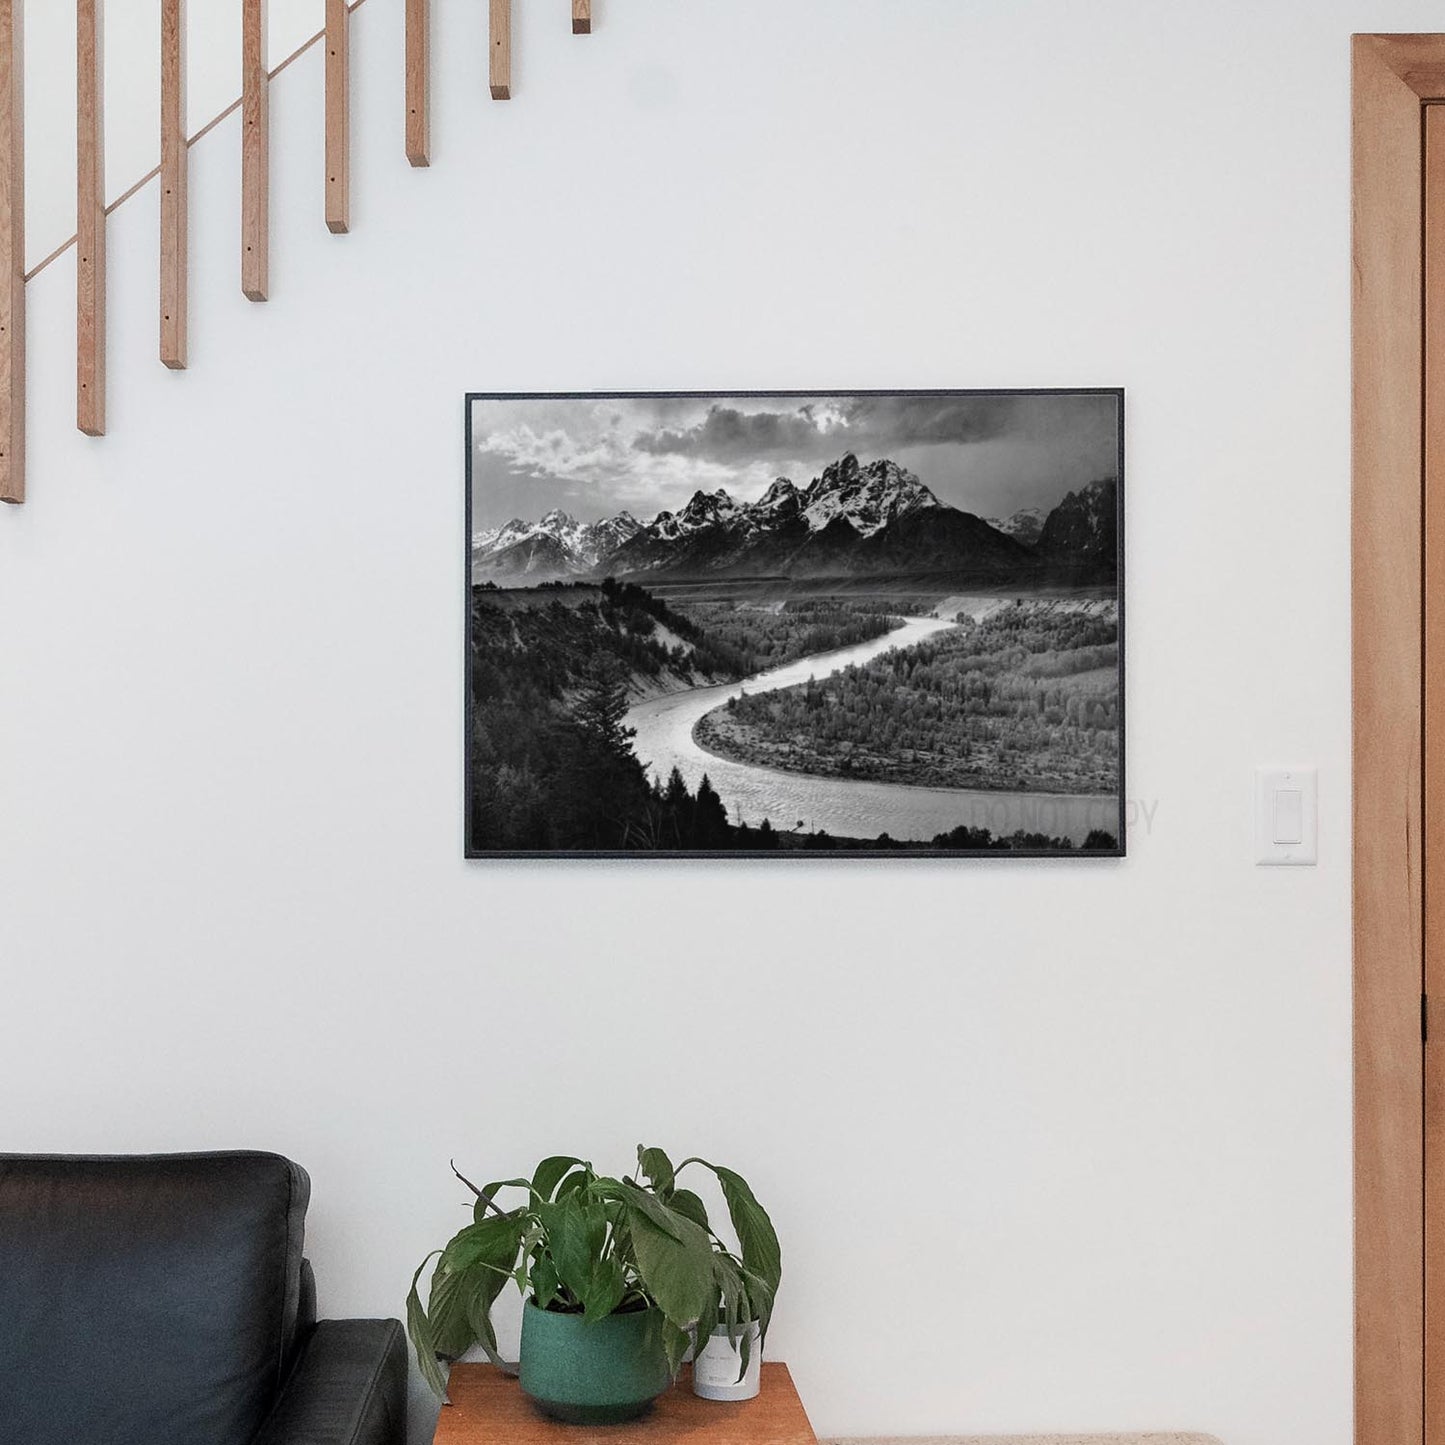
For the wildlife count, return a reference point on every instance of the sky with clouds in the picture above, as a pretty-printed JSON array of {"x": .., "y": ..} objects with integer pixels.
[{"x": 990, "y": 453}]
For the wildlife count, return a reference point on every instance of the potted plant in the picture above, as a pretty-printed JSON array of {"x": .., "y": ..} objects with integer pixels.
[{"x": 614, "y": 1273}]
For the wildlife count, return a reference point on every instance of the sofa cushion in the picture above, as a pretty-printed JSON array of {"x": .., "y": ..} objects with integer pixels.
[{"x": 146, "y": 1300}]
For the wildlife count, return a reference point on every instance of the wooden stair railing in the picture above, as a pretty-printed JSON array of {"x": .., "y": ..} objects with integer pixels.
[
  {"x": 501, "y": 49},
  {"x": 89, "y": 219},
  {"x": 175, "y": 232},
  {"x": 91, "y": 209},
  {"x": 12, "y": 253},
  {"x": 338, "y": 117},
  {"x": 418, "y": 76},
  {"x": 255, "y": 154}
]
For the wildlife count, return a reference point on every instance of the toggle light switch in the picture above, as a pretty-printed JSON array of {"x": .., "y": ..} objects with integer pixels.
[{"x": 1286, "y": 812}]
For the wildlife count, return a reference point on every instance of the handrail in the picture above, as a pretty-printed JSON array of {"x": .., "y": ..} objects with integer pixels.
[
  {"x": 92, "y": 210},
  {"x": 205, "y": 130}
]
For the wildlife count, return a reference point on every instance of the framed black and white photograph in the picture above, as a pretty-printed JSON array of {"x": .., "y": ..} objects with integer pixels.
[{"x": 792, "y": 623}]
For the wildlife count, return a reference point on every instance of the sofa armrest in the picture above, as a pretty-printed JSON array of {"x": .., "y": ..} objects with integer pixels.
[{"x": 348, "y": 1388}]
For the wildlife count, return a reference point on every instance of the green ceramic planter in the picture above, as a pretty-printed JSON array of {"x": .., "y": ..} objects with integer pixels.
[{"x": 592, "y": 1374}]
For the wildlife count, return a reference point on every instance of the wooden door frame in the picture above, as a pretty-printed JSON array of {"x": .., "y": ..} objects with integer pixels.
[{"x": 1394, "y": 76}]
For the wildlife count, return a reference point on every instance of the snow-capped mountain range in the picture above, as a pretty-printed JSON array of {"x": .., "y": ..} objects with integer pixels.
[
  {"x": 852, "y": 519},
  {"x": 585, "y": 544}
]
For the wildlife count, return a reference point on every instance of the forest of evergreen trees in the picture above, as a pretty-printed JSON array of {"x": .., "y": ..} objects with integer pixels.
[
  {"x": 1025, "y": 700},
  {"x": 762, "y": 638},
  {"x": 561, "y": 621},
  {"x": 550, "y": 761}
]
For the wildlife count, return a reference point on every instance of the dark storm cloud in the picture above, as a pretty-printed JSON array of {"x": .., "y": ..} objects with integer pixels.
[
  {"x": 726, "y": 434},
  {"x": 823, "y": 428},
  {"x": 918, "y": 420}
]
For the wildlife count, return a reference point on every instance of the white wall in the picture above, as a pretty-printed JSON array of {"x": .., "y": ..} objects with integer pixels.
[{"x": 1049, "y": 1146}]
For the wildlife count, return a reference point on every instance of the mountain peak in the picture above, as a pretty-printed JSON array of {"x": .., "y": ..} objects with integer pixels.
[
  {"x": 601, "y": 539},
  {"x": 869, "y": 496},
  {"x": 709, "y": 504},
  {"x": 1084, "y": 526},
  {"x": 782, "y": 499}
]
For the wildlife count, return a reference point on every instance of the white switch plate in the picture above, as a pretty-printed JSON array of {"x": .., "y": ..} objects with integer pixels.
[{"x": 1286, "y": 816}]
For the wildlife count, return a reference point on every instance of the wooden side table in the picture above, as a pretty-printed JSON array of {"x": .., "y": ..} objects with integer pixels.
[{"x": 489, "y": 1408}]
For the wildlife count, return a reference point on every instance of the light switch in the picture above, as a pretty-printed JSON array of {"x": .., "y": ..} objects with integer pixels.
[
  {"x": 1289, "y": 816},
  {"x": 1286, "y": 816}
]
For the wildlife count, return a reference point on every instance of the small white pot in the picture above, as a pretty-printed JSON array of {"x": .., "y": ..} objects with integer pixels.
[{"x": 716, "y": 1368}]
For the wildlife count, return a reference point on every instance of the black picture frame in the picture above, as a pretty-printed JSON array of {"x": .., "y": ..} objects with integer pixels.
[{"x": 1081, "y": 855}]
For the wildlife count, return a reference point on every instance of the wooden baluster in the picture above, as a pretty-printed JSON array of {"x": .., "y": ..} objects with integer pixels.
[
  {"x": 338, "y": 116},
  {"x": 174, "y": 225},
  {"x": 418, "y": 82},
  {"x": 90, "y": 220},
  {"x": 501, "y": 50},
  {"x": 255, "y": 154},
  {"x": 12, "y": 252},
  {"x": 582, "y": 17}
]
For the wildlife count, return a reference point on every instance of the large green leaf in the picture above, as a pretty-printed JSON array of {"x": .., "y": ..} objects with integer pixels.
[
  {"x": 756, "y": 1235},
  {"x": 570, "y": 1238},
  {"x": 487, "y": 1195},
  {"x": 636, "y": 1199},
  {"x": 494, "y": 1240},
  {"x": 605, "y": 1289},
  {"x": 419, "y": 1328},
  {"x": 760, "y": 1296},
  {"x": 706, "y": 1323},
  {"x": 469, "y": 1276},
  {"x": 544, "y": 1282},
  {"x": 737, "y": 1306},
  {"x": 550, "y": 1173},
  {"x": 656, "y": 1168},
  {"x": 448, "y": 1311},
  {"x": 675, "y": 1267},
  {"x": 578, "y": 1179},
  {"x": 690, "y": 1206},
  {"x": 621, "y": 1247},
  {"x": 674, "y": 1343},
  {"x": 734, "y": 1301},
  {"x": 460, "y": 1311},
  {"x": 481, "y": 1298}
]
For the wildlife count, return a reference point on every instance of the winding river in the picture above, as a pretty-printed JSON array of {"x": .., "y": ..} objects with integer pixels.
[{"x": 843, "y": 807}]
